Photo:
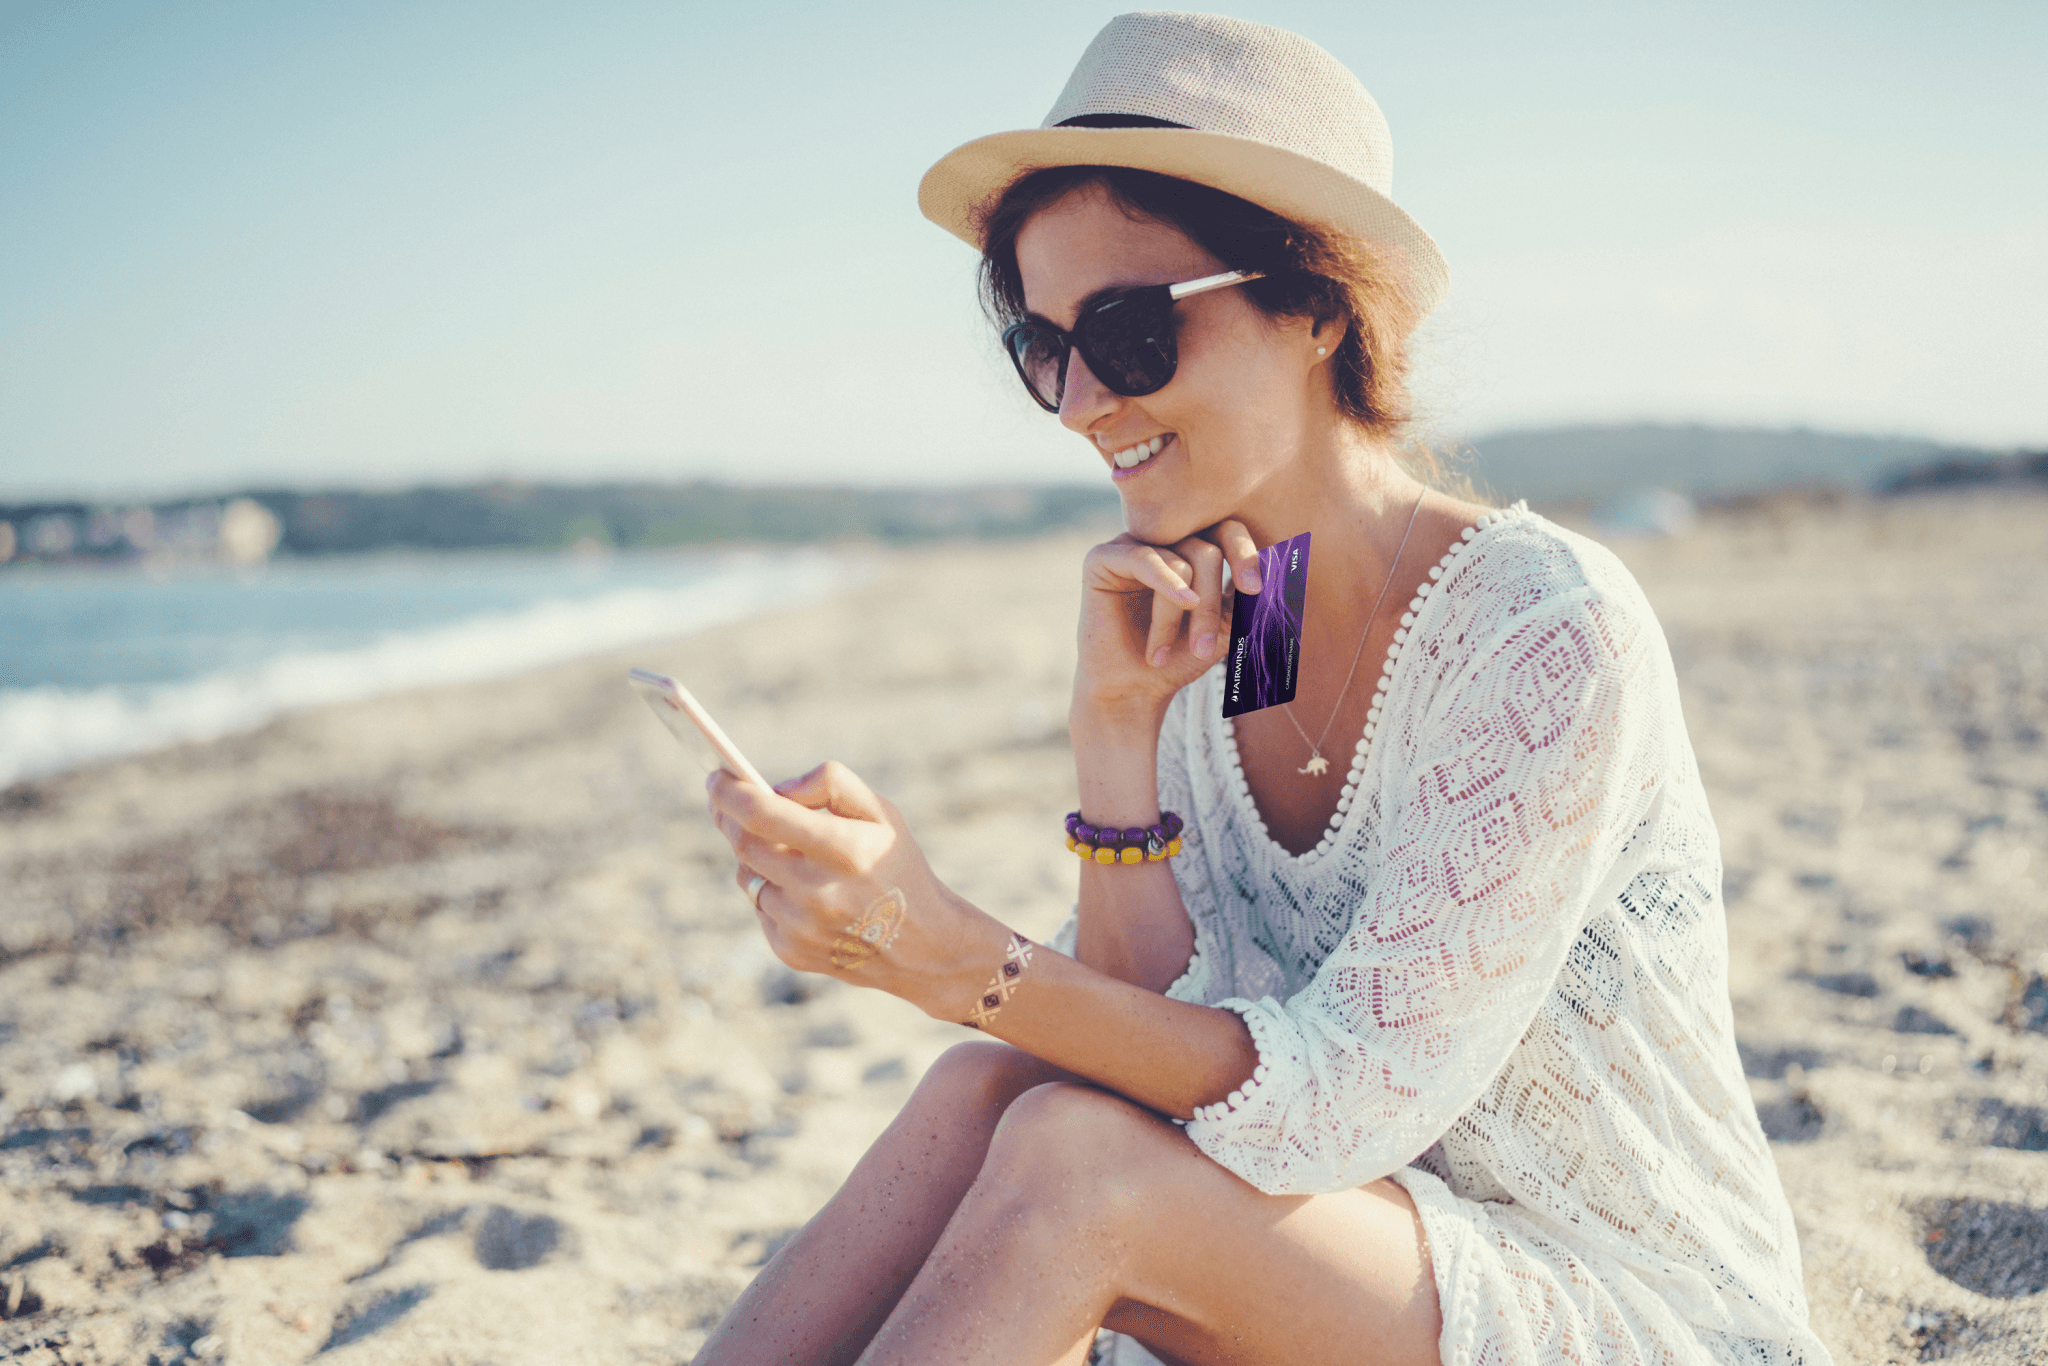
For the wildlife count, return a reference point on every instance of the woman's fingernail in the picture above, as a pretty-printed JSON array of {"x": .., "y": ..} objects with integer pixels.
[
  {"x": 1205, "y": 646},
  {"x": 1251, "y": 581},
  {"x": 1189, "y": 596},
  {"x": 1159, "y": 657}
]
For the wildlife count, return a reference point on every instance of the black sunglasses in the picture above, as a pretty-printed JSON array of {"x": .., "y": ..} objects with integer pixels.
[{"x": 1126, "y": 336}]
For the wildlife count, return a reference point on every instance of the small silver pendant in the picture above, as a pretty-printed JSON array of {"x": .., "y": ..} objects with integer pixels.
[{"x": 1317, "y": 765}]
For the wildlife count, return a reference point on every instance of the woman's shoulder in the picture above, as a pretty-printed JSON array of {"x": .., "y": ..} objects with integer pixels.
[{"x": 1515, "y": 565}]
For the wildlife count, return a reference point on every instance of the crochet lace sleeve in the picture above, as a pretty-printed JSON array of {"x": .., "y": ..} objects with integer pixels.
[{"x": 1506, "y": 824}]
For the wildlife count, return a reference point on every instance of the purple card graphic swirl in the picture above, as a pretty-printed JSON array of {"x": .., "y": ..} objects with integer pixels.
[{"x": 1265, "y": 631}]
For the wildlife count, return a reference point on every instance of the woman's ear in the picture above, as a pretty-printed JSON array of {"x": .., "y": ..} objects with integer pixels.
[{"x": 1327, "y": 334}]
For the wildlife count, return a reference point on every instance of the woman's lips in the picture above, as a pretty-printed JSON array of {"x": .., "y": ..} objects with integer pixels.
[{"x": 1120, "y": 473}]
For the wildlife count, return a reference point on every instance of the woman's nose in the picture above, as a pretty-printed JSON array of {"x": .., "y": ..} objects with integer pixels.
[{"x": 1084, "y": 400}]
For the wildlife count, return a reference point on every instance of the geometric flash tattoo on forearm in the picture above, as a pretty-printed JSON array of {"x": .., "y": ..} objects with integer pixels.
[
  {"x": 1001, "y": 987},
  {"x": 875, "y": 931}
]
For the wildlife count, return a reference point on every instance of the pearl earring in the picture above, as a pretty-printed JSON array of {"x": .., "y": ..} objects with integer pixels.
[{"x": 1322, "y": 350}]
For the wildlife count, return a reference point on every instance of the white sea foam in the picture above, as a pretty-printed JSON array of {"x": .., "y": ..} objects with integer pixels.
[{"x": 46, "y": 728}]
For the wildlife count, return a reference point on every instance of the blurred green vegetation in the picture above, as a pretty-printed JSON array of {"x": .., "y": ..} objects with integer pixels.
[
  {"x": 635, "y": 516},
  {"x": 508, "y": 515}
]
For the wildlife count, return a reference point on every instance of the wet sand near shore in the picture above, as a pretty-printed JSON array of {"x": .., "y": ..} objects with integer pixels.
[{"x": 432, "y": 1029}]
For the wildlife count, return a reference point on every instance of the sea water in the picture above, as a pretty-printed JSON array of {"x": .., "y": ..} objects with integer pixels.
[{"x": 99, "y": 662}]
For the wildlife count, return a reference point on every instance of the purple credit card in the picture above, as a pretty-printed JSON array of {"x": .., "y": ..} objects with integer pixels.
[{"x": 1265, "y": 631}]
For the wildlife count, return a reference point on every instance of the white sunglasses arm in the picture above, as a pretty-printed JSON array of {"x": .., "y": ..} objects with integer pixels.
[{"x": 1209, "y": 282}]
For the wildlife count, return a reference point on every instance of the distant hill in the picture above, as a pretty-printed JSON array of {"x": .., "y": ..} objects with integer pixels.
[{"x": 1564, "y": 464}]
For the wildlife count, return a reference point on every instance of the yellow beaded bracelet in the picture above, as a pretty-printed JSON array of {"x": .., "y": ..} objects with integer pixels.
[{"x": 1108, "y": 845}]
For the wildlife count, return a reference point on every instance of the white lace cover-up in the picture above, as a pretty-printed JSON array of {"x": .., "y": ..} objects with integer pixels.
[{"x": 1501, "y": 977}]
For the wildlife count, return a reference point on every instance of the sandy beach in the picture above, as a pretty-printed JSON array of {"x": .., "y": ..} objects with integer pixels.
[{"x": 431, "y": 1028}]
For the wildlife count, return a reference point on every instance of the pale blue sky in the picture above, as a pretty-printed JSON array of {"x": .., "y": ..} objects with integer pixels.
[{"x": 380, "y": 243}]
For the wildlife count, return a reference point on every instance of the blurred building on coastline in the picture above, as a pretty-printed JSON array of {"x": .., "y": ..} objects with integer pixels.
[{"x": 238, "y": 532}]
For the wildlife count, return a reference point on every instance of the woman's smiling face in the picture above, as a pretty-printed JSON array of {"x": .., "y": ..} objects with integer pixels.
[{"x": 1248, "y": 393}]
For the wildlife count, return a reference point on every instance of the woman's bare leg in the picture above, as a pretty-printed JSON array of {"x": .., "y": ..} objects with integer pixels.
[
  {"x": 823, "y": 1296},
  {"x": 1090, "y": 1209}
]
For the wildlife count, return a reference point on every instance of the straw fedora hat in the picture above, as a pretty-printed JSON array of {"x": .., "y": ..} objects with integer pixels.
[{"x": 1255, "y": 111}]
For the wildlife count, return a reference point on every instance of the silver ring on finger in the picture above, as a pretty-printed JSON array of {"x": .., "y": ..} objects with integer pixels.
[{"x": 754, "y": 886}]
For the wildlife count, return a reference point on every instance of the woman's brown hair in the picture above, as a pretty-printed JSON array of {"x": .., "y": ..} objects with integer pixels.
[{"x": 1308, "y": 274}]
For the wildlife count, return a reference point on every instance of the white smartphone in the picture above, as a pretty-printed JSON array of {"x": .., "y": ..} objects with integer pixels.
[{"x": 671, "y": 701}]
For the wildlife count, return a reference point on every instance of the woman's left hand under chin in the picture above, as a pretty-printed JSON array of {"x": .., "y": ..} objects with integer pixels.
[
  {"x": 1155, "y": 617},
  {"x": 848, "y": 892}
]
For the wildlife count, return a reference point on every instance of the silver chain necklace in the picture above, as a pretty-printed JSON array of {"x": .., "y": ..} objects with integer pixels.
[{"x": 1317, "y": 764}]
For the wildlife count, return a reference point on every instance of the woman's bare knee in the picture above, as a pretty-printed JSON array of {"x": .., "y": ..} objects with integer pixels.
[
  {"x": 977, "y": 1080},
  {"x": 1074, "y": 1111},
  {"x": 1080, "y": 1141}
]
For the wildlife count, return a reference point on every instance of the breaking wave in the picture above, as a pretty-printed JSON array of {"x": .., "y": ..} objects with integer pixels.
[{"x": 48, "y": 727}]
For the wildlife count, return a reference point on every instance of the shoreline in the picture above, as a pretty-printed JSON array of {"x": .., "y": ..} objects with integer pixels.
[{"x": 311, "y": 636}]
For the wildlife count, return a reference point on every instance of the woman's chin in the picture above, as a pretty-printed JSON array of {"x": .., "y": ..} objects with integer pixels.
[
  {"x": 1160, "y": 522},
  {"x": 1152, "y": 531},
  {"x": 1156, "y": 521}
]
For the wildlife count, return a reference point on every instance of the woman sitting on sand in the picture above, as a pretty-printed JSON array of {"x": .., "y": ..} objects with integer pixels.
[{"x": 1415, "y": 1045}]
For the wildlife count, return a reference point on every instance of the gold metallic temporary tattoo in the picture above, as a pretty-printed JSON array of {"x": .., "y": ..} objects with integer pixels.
[
  {"x": 875, "y": 931},
  {"x": 1004, "y": 984}
]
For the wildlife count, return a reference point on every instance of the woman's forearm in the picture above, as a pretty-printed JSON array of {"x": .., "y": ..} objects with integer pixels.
[
  {"x": 1170, "y": 1056},
  {"x": 1133, "y": 924},
  {"x": 970, "y": 967}
]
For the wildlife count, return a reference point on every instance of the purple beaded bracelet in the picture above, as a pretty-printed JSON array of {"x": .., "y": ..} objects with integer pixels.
[{"x": 1107, "y": 844}]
